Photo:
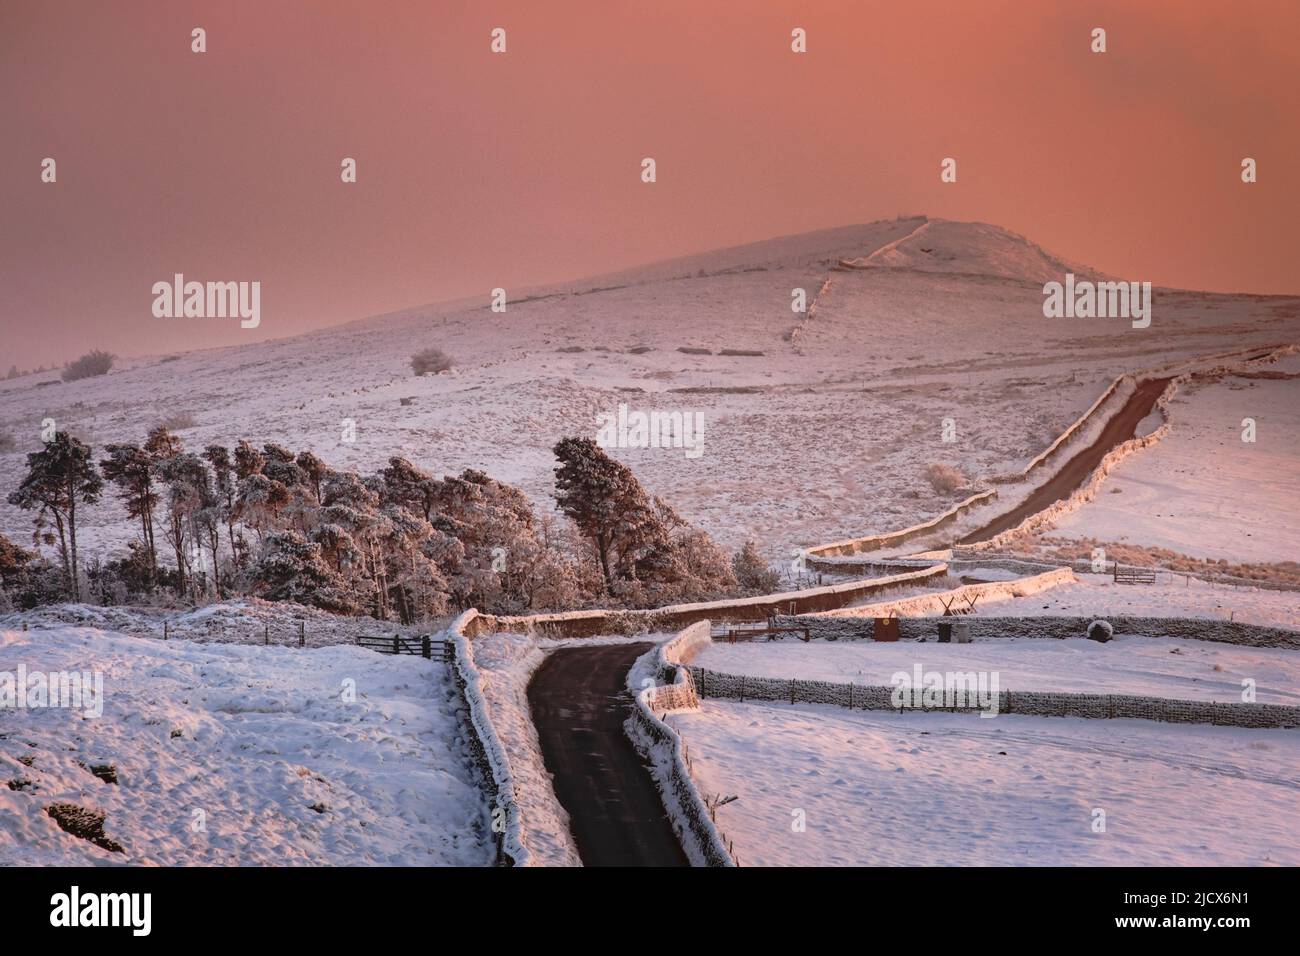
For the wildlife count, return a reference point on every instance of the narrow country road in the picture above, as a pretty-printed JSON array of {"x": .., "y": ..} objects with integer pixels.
[
  {"x": 579, "y": 700},
  {"x": 1076, "y": 471}
]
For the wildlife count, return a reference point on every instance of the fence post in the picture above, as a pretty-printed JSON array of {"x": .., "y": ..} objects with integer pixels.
[
  {"x": 266, "y": 634},
  {"x": 426, "y": 647},
  {"x": 302, "y": 634},
  {"x": 791, "y": 691},
  {"x": 164, "y": 629},
  {"x": 397, "y": 644}
]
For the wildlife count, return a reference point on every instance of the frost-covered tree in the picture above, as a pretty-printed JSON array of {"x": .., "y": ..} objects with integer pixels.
[
  {"x": 408, "y": 486},
  {"x": 190, "y": 509},
  {"x": 351, "y": 525},
  {"x": 59, "y": 476},
  {"x": 259, "y": 502},
  {"x": 248, "y": 461},
  {"x": 753, "y": 573},
  {"x": 292, "y": 568},
  {"x": 314, "y": 470},
  {"x": 224, "y": 485},
  {"x": 131, "y": 469},
  {"x": 609, "y": 506},
  {"x": 647, "y": 553},
  {"x": 15, "y": 564}
]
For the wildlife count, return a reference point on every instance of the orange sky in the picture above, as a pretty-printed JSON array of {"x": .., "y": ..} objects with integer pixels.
[{"x": 478, "y": 170}]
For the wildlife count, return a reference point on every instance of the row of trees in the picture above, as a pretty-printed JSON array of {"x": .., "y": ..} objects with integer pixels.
[{"x": 399, "y": 543}]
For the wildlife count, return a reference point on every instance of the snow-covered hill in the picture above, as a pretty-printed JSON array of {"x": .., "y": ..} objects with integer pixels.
[{"x": 817, "y": 436}]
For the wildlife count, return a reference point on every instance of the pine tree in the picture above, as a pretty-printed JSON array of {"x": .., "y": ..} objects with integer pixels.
[
  {"x": 131, "y": 468},
  {"x": 293, "y": 569},
  {"x": 58, "y": 477},
  {"x": 751, "y": 571},
  {"x": 188, "y": 509},
  {"x": 315, "y": 471},
  {"x": 13, "y": 561},
  {"x": 351, "y": 524},
  {"x": 408, "y": 486},
  {"x": 248, "y": 461},
  {"x": 609, "y": 506},
  {"x": 223, "y": 479}
]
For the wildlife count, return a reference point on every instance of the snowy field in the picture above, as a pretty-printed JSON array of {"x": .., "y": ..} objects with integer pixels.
[
  {"x": 947, "y": 789},
  {"x": 1204, "y": 492},
  {"x": 258, "y": 739},
  {"x": 1173, "y": 595},
  {"x": 1159, "y": 667},
  {"x": 823, "y": 435},
  {"x": 237, "y": 621}
]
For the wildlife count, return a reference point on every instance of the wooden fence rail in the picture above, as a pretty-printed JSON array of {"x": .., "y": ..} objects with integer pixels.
[
  {"x": 1133, "y": 575},
  {"x": 423, "y": 646}
]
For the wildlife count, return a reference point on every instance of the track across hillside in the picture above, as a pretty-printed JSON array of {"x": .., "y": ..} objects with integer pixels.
[
  {"x": 579, "y": 699},
  {"x": 1076, "y": 471}
]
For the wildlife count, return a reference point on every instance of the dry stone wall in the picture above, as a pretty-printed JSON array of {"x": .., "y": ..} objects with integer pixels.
[
  {"x": 1058, "y": 627},
  {"x": 1026, "y": 703},
  {"x": 664, "y": 751},
  {"x": 488, "y": 751}
]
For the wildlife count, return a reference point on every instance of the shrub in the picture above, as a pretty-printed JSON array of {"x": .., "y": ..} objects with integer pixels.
[
  {"x": 178, "y": 421},
  {"x": 93, "y": 363},
  {"x": 752, "y": 572},
  {"x": 430, "y": 361},
  {"x": 944, "y": 479},
  {"x": 1100, "y": 631}
]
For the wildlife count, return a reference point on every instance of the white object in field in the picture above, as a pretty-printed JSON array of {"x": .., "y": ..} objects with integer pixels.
[{"x": 961, "y": 632}]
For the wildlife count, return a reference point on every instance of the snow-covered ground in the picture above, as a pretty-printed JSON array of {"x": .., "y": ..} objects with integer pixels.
[
  {"x": 240, "y": 621},
  {"x": 1158, "y": 667},
  {"x": 256, "y": 743},
  {"x": 1173, "y": 595},
  {"x": 948, "y": 789},
  {"x": 1202, "y": 490},
  {"x": 818, "y": 438}
]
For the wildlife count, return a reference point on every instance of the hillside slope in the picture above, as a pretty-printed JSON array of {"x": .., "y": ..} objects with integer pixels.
[{"x": 814, "y": 437}]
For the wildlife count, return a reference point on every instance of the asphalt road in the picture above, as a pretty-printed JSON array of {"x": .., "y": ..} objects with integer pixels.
[{"x": 580, "y": 700}]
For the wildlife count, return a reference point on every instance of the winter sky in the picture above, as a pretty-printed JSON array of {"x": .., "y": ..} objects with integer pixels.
[{"x": 478, "y": 170}]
